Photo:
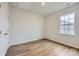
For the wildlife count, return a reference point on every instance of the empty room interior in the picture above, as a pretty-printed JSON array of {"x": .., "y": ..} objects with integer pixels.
[{"x": 39, "y": 29}]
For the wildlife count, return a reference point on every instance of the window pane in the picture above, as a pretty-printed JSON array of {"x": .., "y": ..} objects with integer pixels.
[
  {"x": 62, "y": 21},
  {"x": 66, "y": 31},
  {"x": 62, "y": 18},
  {"x": 71, "y": 17},
  {"x": 66, "y": 27},
  {"x": 66, "y": 18}
]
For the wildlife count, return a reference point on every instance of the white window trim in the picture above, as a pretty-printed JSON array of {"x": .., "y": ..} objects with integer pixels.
[{"x": 60, "y": 25}]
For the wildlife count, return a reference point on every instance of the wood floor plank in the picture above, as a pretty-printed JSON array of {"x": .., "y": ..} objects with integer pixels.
[{"x": 42, "y": 47}]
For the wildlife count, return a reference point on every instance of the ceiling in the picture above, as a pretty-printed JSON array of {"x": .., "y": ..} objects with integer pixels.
[{"x": 46, "y": 9}]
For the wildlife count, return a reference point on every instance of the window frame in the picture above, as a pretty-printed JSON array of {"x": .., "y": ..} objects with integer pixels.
[{"x": 60, "y": 32}]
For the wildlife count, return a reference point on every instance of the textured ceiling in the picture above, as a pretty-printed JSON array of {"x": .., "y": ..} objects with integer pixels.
[{"x": 37, "y": 7}]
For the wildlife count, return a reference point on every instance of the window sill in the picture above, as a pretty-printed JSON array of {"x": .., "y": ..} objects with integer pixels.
[{"x": 68, "y": 34}]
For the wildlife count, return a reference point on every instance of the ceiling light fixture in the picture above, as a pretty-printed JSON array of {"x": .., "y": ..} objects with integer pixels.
[
  {"x": 67, "y": 4},
  {"x": 43, "y": 3}
]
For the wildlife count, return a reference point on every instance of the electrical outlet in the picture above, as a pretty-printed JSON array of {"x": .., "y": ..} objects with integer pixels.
[
  {"x": 0, "y": 5},
  {"x": 0, "y": 32}
]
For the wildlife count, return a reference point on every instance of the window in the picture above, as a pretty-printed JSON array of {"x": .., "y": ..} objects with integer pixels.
[{"x": 67, "y": 24}]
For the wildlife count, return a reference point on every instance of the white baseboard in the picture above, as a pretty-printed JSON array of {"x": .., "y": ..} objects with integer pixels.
[
  {"x": 15, "y": 43},
  {"x": 62, "y": 42}
]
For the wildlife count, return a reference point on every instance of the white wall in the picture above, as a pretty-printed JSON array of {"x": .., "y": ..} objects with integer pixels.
[
  {"x": 4, "y": 28},
  {"x": 25, "y": 26},
  {"x": 52, "y": 27}
]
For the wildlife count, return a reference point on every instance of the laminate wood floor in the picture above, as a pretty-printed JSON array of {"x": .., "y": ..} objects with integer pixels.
[{"x": 42, "y": 47}]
